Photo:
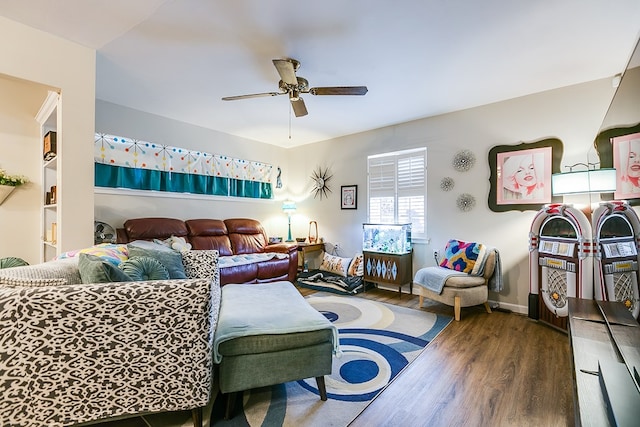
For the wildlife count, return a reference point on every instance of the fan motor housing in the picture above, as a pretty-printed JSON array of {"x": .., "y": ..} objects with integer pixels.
[{"x": 302, "y": 86}]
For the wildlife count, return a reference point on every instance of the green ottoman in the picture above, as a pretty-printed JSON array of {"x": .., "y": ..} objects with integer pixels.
[{"x": 268, "y": 334}]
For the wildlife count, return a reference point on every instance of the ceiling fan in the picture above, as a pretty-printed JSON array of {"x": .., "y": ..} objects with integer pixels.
[{"x": 292, "y": 85}]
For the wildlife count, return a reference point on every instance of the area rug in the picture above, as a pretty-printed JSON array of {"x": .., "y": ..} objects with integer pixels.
[{"x": 377, "y": 341}]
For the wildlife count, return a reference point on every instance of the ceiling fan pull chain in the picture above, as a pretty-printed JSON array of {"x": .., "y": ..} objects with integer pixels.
[{"x": 290, "y": 120}]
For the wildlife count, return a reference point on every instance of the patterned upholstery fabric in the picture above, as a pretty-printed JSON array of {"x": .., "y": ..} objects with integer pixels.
[
  {"x": 201, "y": 264},
  {"x": 58, "y": 269},
  {"x": 78, "y": 353}
]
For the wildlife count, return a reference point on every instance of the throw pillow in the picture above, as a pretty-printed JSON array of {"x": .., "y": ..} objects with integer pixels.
[
  {"x": 169, "y": 258},
  {"x": 201, "y": 264},
  {"x": 12, "y": 261},
  {"x": 143, "y": 268},
  {"x": 94, "y": 269},
  {"x": 356, "y": 268},
  {"x": 335, "y": 264},
  {"x": 463, "y": 256},
  {"x": 114, "y": 253}
]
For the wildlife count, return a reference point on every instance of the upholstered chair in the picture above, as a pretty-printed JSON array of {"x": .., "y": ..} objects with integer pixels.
[{"x": 463, "y": 290}]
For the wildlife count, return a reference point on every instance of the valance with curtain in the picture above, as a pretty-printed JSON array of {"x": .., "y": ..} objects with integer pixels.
[{"x": 129, "y": 163}]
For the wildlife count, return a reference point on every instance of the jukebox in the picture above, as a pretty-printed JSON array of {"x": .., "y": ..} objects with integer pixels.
[
  {"x": 616, "y": 227},
  {"x": 560, "y": 262}
]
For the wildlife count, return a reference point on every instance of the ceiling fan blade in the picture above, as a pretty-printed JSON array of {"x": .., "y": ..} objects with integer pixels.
[
  {"x": 339, "y": 90},
  {"x": 253, "y": 95},
  {"x": 299, "y": 109},
  {"x": 287, "y": 70}
]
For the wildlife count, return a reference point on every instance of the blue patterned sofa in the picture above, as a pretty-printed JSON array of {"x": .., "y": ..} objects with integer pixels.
[{"x": 73, "y": 352}]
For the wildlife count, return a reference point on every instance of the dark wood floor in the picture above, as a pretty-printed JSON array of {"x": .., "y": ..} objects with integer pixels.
[{"x": 498, "y": 369}]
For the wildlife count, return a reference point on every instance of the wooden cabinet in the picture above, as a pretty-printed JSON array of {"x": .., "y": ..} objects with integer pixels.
[
  {"x": 389, "y": 269},
  {"x": 49, "y": 119}
]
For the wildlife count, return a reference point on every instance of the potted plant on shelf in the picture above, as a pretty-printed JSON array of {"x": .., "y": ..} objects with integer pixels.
[{"x": 9, "y": 182}]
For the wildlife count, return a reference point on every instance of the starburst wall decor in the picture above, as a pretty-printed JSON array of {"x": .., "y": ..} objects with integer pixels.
[
  {"x": 447, "y": 184},
  {"x": 466, "y": 202},
  {"x": 321, "y": 179},
  {"x": 464, "y": 160}
]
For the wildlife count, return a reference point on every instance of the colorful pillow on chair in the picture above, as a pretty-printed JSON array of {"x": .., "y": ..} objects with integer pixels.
[{"x": 463, "y": 256}]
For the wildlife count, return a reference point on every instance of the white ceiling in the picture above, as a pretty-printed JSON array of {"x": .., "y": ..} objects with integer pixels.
[{"x": 419, "y": 58}]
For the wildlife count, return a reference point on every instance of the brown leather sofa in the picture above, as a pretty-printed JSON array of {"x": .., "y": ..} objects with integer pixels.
[{"x": 235, "y": 236}]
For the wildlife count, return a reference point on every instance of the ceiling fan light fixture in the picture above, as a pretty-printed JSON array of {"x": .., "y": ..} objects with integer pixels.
[{"x": 294, "y": 85}]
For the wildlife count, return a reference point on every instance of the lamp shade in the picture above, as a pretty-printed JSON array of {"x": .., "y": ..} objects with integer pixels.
[
  {"x": 589, "y": 181},
  {"x": 288, "y": 207}
]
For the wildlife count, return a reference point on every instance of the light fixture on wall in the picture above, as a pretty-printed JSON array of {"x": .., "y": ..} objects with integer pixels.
[
  {"x": 289, "y": 207},
  {"x": 590, "y": 180}
]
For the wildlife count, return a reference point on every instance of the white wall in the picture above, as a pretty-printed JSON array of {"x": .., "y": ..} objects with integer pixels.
[
  {"x": 116, "y": 208},
  {"x": 38, "y": 57},
  {"x": 19, "y": 150},
  {"x": 572, "y": 114}
]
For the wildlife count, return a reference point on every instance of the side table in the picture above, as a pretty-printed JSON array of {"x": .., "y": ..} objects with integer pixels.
[{"x": 305, "y": 248}]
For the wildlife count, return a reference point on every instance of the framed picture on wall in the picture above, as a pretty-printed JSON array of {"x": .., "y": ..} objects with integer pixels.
[
  {"x": 626, "y": 161},
  {"x": 349, "y": 197},
  {"x": 521, "y": 175},
  {"x": 619, "y": 148}
]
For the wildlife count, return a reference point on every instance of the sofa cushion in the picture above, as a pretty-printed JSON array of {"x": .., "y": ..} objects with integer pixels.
[
  {"x": 200, "y": 264},
  {"x": 209, "y": 234},
  {"x": 247, "y": 236},
  {"x": 255, "y": 344},
  {"x": 66, "y": 269},
  {"x": 94, "y": 269},
  {"x": 141, "y": 268},
  {"x": 154, "y": 228},
  {"x": 171, "y": 259}
]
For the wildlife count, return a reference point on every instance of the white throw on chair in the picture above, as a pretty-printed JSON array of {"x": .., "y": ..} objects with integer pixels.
[{"x": 461, "y": 288}]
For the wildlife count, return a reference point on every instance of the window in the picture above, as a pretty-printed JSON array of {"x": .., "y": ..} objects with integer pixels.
[{"x": 398, "y": 189}]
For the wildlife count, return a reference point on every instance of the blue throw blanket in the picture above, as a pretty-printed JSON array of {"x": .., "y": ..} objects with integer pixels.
[
  {"x": 434, "y": 278},
  {"x": 269, "y": 308}
]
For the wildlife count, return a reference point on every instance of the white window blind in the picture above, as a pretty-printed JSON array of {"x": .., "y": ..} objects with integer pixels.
[{"x": 398, "y": 188}]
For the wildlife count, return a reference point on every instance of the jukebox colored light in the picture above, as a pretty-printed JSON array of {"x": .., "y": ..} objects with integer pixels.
[{"x": 589, "y": 181}]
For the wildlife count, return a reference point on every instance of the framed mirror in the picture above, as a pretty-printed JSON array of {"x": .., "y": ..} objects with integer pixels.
[{"x": 616, "y": 142}]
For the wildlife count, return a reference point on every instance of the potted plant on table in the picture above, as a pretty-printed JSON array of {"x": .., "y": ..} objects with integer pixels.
[{"x": 8, "y": 183}]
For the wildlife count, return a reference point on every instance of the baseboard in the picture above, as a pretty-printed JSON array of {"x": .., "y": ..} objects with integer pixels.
[{"x": 520, "y": 309}]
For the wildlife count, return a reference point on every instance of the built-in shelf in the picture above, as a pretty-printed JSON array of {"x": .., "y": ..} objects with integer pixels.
[{"x": 49, "y": 119}]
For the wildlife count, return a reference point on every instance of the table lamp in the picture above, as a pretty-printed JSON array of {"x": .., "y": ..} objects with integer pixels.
[{"x": 289, "y": 207}]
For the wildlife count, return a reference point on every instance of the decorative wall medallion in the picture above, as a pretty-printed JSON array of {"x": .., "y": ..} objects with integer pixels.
[
  {"x": 321, "y": 179},
  {"x": 466, "y": 202},
  {"x": 464, "y": 160},
  {"x": 447, "y": 184}
]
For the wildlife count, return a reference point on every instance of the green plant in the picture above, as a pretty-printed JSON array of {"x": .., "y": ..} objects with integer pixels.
[{"x": 12, "y": 180}]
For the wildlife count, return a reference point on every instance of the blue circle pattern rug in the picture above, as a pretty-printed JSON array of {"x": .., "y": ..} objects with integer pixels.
[{"x": 377, "y": 341}]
